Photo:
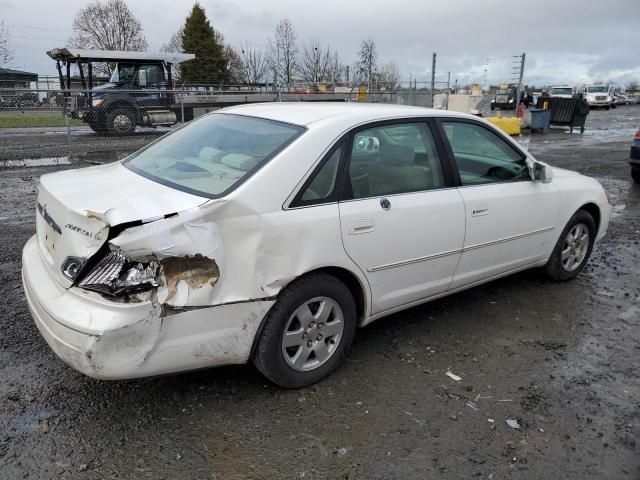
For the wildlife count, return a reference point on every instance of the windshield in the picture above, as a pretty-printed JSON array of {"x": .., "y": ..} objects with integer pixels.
[
  {"x": 123, "y": 73},
  {"x": 504, "y": 91},
  {"x": 214, "y": 153},
  {"x": 598, "y": 89},
  {"x": 561, "y": 91}
]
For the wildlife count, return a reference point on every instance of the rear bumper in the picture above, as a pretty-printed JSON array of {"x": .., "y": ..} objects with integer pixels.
[{"x": 108, "y": 340}]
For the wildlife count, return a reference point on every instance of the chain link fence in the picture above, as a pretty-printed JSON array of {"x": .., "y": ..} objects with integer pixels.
[{"x": 103, "y": 124}]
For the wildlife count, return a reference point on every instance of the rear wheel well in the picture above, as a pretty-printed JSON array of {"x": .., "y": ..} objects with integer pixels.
[
  {"x": 593, "y": 210},
  {"x": 345, "y": 276},
  {"x": 352, "y": 283}
]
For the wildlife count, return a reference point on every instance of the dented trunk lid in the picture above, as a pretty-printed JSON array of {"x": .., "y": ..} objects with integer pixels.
[{"x": 75, "y": 209}]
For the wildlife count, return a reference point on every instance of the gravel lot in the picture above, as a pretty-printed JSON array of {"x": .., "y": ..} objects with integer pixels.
[{"x": 561, "y": 359}]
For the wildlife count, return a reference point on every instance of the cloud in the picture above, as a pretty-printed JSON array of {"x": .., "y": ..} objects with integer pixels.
[{"x": 565, "y": 41}]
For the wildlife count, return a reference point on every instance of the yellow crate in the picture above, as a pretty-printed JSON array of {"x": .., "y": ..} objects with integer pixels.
[{"x": 511, "y": 126}]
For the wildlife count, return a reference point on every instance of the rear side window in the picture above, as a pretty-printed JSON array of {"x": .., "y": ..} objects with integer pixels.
[
  {"x": 482, "y": 156},
  {"x": 396, "y": 158},
  {"x": 214, "y": 153}
]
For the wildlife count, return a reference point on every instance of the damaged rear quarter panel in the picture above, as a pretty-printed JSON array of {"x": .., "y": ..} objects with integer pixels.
[{"x": 247, "y": 240}]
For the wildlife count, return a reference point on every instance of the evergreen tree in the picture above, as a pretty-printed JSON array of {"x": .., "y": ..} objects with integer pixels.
[{"x": 199, "y": 37}]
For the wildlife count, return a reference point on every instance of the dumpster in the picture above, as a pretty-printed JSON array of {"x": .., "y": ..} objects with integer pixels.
[
  {"x": 569, "y": 112},
  {"x": 540, "y": 120}
]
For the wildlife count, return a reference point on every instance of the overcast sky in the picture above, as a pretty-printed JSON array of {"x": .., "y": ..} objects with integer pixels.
[{"x": 565, "y": 41}]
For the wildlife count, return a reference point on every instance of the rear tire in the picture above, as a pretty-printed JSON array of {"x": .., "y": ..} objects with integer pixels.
[
  {"x": 307, "y": 332},
  {"x": 635, "y": 174},
  {"x": 573, "y": 248}
]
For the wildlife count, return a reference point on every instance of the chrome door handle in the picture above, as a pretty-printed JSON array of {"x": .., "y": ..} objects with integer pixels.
[{"x": 360, "y": 226}]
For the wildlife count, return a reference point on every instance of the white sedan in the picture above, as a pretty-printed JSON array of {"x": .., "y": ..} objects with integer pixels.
[{"x": 269, "y": 232}]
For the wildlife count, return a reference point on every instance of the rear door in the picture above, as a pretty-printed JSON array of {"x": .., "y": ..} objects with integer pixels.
[
  {"x": 510, "y": 219},
  {"x": 401, "y": 218}
]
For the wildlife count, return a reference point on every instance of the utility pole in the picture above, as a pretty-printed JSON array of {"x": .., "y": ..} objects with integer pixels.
[
  {"x": 433, "y": 77},
  {"x": 522, "y": 57}
]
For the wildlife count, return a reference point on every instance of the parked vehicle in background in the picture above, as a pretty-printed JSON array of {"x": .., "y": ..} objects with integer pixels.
[
  {"x": 634, "y": 158},
  {"x": 561, "y": 91},
  {"x": 505, "y": 98},
  {"x": 622, "y": 99},
  {"x": 269, "y": 232},
  {"x": 599, "y": 96}
]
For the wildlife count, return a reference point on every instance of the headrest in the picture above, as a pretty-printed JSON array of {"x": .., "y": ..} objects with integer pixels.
[
  {"x": 398, "y": 155},
  {"x": 239, "y": 161},
  {"x": 208, "y": 153}
]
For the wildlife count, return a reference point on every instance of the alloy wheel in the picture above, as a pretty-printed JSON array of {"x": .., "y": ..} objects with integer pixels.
[
  {"x": 575, "y": 247},
  {"x": 312, "y": 334}
]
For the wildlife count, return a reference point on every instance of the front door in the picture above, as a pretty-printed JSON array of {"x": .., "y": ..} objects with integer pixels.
[
  {"x": 510, "y": 219},
  {"x": 401, "y": 220}
]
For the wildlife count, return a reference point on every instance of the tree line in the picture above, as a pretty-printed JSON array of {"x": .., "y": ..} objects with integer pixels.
[{"x": 111, "y": 25}]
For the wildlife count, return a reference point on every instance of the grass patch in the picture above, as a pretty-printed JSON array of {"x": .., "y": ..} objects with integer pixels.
[{"x": 40, "y": 119}]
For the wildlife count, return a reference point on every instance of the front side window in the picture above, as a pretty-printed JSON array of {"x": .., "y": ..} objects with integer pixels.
[
  {"x": 123, "y": 73},
  {"x": 482, "y": 156},
  {"x": 154, "y": 74},
  {"x": 214, "y": 153},
  {"x": 398, "y": 158}
]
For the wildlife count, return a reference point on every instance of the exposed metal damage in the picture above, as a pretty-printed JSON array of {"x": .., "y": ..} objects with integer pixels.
[{"x": 183, "y": 274}]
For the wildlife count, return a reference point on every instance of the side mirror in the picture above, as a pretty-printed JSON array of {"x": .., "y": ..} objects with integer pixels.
[
  {"x": 542, "y": 172},
  {"x": 365, "y": 143},
  {"x": 142, "y": 78}
]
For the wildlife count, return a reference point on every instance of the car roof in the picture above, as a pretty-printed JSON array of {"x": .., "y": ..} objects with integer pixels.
[{"x": 305, "y": 113}]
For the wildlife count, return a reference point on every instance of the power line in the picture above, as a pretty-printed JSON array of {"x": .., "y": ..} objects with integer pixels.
[{"x": 31, "y": 27}]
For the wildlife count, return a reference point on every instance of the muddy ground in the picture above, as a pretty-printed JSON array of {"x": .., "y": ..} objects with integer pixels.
[{"x": 561, "y": 359}]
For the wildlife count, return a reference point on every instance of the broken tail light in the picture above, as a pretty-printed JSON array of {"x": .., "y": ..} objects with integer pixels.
[{"x": 115, "y": 275}]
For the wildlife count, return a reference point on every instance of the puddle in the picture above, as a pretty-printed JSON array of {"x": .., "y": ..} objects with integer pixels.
[{"x": 94, "y": 158}]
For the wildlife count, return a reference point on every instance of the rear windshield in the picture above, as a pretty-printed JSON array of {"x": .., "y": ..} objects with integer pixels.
[
  {"x": 562, "y": 91},
  {"x": 213, "y": 154}
]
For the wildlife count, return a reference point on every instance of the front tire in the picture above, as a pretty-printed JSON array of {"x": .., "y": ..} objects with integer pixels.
[
  {"x": 307, "y": 332},
  {"x": 97, "y": 127},
  {"x": 635, "y": 174},
  {"x": 573, "y": 248},
  {"x": 121, "y": 121}
]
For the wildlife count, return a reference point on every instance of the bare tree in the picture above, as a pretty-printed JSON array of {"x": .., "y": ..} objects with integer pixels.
[
  {"x": 234, "y": 65},
  {"x": 283, "y": 52},
  {"x": 319, "y": 64},
  {"x": 367, "y": 64},
  {"x": 336, "y": 68},
  {"x": 388, "y": 76},
  {"x": 254, "y": 64},
  {"x": 107, "y": 26},
  {"x": 174, "y": 45},
  {"x": 6, "y": 52},
  {"x": 632, "y": 87}
]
